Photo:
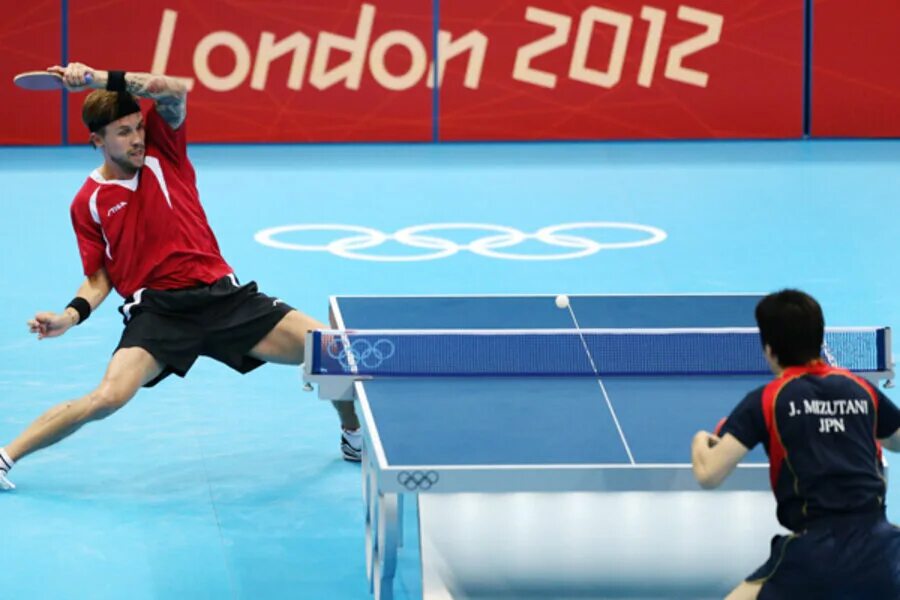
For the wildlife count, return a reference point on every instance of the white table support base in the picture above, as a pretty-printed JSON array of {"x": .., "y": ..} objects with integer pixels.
[{"x": 576, "y": 543}]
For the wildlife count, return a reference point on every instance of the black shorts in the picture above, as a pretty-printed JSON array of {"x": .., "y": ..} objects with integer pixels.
[
  {"x": 223, "y": 320},
  {"x": 852, "y": 558}
]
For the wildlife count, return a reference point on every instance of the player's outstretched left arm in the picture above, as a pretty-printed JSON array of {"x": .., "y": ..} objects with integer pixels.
[
  {"x": 169, "y": 93},
  {"x": 95, "y": 289},
  {"x": 714, "y": 458}
]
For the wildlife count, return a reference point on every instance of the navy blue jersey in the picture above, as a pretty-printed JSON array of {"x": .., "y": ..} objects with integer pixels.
[{"x": 819, "y": 426}]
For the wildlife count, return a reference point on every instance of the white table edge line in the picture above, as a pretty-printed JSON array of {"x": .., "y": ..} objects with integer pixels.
[
  {"x": 552, "y": 296},
  {"x": 371, "y": 425},
  {"x": 559, "y": 467}
]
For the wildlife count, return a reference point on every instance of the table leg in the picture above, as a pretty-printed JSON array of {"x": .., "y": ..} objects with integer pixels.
[
  {"x": 385, "y": 547},
  {"x": 368, "y": 485},
  {"x": 400, "y": 520}
]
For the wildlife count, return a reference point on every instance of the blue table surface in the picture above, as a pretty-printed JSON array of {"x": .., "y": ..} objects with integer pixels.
[
  {"x": 547, "y": 420},
  {"x": 512, "y": 312},
  {"x": 521, "y": 421}
]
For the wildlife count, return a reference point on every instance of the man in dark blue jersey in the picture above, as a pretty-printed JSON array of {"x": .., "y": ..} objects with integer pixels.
[{"x": 823, "y": 429}]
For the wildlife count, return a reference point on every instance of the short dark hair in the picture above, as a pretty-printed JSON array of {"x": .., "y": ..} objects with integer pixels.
[
  {"x": 791, "y": 324},
  {"x": 101, "y": 108}
]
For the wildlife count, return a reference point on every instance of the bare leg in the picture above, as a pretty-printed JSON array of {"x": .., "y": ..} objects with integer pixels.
[
  {"x": 128, "y": 370},
  {"x": 745, "y": 591},
  {"x": 285, "y": 345}
]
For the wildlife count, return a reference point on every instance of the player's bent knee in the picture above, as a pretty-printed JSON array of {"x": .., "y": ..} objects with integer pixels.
[{"x": 107, "y": 399}]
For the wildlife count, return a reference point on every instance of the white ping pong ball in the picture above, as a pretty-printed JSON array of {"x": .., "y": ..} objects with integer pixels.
[{"x": 562, "y": 301}]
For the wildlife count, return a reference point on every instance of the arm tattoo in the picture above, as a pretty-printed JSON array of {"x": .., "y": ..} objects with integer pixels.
[
  {"x": 173, "y": 110},
  {"x": 169, "y": 93}
]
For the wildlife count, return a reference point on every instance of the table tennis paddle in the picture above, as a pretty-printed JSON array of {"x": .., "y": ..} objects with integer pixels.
[{"x": 42, "y": 81}]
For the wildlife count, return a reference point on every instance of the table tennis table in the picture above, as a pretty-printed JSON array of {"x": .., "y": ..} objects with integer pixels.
[{"x": 500, "y": 433}]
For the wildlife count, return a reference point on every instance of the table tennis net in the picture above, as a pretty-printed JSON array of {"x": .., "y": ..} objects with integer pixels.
[{"x": 404, "y": 353}]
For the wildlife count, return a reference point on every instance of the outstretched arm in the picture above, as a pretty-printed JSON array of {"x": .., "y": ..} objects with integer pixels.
[
  {"x": 893, "y": 442},
  {"x": 95, "y": 289},
  {"x": 169, "y": 93},
  {"x": 888, "y": 424},
  {"x": 714, "y": 458}
]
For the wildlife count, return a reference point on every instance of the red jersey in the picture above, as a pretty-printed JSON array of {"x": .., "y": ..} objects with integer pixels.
[{"x": 149, "y": 231}]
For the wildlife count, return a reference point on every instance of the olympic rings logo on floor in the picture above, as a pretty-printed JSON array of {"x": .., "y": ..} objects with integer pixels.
[
  {"x": 497, "y": 243},
  {"x": 360, "y": 353}
]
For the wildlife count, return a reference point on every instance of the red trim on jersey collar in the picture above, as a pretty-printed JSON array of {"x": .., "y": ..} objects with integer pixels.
[{"x": 814, "y": 367}]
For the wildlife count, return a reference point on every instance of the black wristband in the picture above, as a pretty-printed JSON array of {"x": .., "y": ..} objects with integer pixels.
[
  {"x": 115, "y": 81},
  {"x": 82, "y": 307}
]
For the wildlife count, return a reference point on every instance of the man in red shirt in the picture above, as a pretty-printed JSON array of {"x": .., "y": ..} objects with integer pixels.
[{"x": 142, "y": 231}]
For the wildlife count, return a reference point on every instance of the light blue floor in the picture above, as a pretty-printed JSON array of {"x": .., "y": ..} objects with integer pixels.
[{"x": 221, "y": 486}]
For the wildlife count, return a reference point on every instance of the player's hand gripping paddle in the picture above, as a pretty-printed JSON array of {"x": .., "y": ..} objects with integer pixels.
[{"x": 42, "y": 81}]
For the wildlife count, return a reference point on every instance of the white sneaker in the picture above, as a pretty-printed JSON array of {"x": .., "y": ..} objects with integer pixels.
[
  {"x": 6, "y": 484},
  {"x": 351, "y": 445}
]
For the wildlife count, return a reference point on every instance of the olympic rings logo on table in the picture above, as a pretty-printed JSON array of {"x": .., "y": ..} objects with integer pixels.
[
  {"x": 496, "y": 244},
  {"x": 361, "y": 352},
  {"x": 418, "y": 480}
]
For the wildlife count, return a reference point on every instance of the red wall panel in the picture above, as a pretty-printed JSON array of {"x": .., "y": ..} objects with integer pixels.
[
  {"x": 349, "y": 70},
  {"x": 747, "y": 58},
  {"x": 856, "y": 79},
  {"x": 30, "y": 39},
  {"x": 239, "y": 95}
]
